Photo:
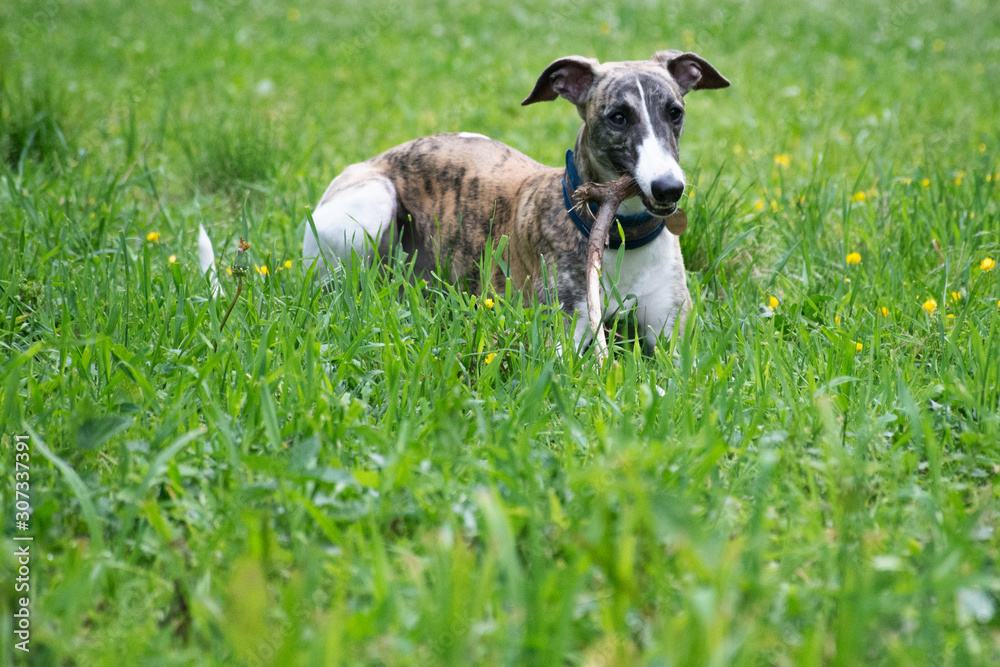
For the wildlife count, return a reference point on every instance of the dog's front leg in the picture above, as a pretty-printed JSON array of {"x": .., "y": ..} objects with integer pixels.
[
  {"x": 582, "y": 334},
  {"x": 659, "y": 318}
]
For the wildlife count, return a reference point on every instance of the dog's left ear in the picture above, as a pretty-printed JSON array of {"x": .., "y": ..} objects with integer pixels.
[
  {"x": 571, "y": 77},
  {"x": 690, "y": 71}
]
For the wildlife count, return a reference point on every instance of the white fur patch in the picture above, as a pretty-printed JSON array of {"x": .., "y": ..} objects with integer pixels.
[
  {"x": 654, "y": 161},
  {"x": 472, "y": 135},
  {"x": 352, "y": 218},
  {"x": 651, "y": 281}
]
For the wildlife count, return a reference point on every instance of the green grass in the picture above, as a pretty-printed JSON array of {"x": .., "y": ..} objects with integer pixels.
[{"x": 348, "y": 477}]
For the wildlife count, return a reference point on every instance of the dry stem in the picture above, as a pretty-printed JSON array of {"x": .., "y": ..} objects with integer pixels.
[{"x": 609, "y": 196}]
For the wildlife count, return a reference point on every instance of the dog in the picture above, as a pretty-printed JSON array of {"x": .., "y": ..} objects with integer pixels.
[{"x": 444, "y": 197}]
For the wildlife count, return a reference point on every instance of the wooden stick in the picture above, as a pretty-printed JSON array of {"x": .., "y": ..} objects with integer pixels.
[{"x": 609, "y": 196}]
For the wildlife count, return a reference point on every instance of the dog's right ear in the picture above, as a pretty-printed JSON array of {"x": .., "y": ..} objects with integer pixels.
[{"x": 570, "y": 77}]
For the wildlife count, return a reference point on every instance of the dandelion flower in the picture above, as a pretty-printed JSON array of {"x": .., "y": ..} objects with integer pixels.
[
  {"x": 490, "y": 357},
  {"x": 853, "y": 258},
  {"x": 859, "y": 196},
  {"x": 926, "y": 182},
  {"x": 783, "y": 159},
  {"x": 263, "y": 270},
  {"x": 488, "y": 302},
  {"x": 884, "y": 311},
  {"x": 987, "y": 264},
  {"x": 153, "y": 237},
  {"x": 172, "y": 259},
  {"x": 951, "y": 316},
  {"x": 288, "y": 263},
  {"x": 858, "y": 347},
  {"x": 930, "y": 305},
  {"x": 229, "y": 270},
  {"x": 774, "y": 302}
]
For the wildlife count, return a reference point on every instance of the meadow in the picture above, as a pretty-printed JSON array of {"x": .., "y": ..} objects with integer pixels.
[{"x": 393, "y": 472}]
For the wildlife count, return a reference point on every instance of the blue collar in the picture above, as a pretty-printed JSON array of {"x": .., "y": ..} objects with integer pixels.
[{"x": 639, "y": 229}]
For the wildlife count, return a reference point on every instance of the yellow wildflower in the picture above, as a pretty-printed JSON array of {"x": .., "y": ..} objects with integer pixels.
[
  {"x": 925, "y": 182},
  {"x": 488, "y": 302},
  {"x": 153, "y": 237},
  {"x": 956, "y": 296},
  {"x": 930, "y": 305},
  {"x": 907, "y": 181},
  {"x": 982, "y": 148},
  {"x": 853, "y": 258},
  {"x": 229, "y": 270},
  {"x": 774, "y": 302},
  {"x": 783, "y": 159},
  {"x": 884, "y": 311},
  {"x": 172, "y": 259},
  {"x": 490, "y": 357},
  {"x": 859, "y": 196},
  {"x": 987, "y": 264},
  {"x": 836, "y": 319},
  {"x": 758, "y": 205},
  {"x": 858, "y": 347},
  {"x": 951, "y": 316},
  {"x": 288, "y": 263},
  {"x": 263, "y": 270}
]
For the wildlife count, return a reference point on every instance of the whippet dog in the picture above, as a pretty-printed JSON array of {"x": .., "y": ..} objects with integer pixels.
[{"x": 443, "y": 197}]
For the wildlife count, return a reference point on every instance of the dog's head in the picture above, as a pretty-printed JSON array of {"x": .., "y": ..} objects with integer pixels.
[{"x": 633, "y": 116}]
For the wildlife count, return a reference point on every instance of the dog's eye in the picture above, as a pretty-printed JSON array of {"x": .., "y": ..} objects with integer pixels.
[
  {"x": 675, "y": 114},
  {"x": 617, "y": 118}
]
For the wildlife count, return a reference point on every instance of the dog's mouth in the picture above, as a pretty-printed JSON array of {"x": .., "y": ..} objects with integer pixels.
[{"x": 658, "y": 210}]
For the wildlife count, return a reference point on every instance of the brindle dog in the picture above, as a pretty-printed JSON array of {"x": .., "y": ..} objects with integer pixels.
[{"x": 445, "y": 196}]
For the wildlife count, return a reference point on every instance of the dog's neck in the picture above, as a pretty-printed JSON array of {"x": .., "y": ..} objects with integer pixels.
[{"x": 591, "y": 172}]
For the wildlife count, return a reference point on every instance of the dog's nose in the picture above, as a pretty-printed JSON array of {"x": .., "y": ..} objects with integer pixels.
[{"x": 667, "y": 189}]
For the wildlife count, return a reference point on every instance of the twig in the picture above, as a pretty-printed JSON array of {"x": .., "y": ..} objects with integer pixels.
[
  {"x": 239, "y": 288},
  {"x": 609, "y": 196}
]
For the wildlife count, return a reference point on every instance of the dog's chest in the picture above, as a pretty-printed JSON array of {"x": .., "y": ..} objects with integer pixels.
[{"x": 652, "y": 274}]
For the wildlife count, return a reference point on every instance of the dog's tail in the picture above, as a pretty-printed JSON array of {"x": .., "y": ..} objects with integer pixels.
[{"x": 206, "y": 260}]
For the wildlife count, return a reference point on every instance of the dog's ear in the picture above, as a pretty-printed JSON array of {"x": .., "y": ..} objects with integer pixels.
[
  {"x": 571, "y": 77},
  {"x": 690, "y": 71}
]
